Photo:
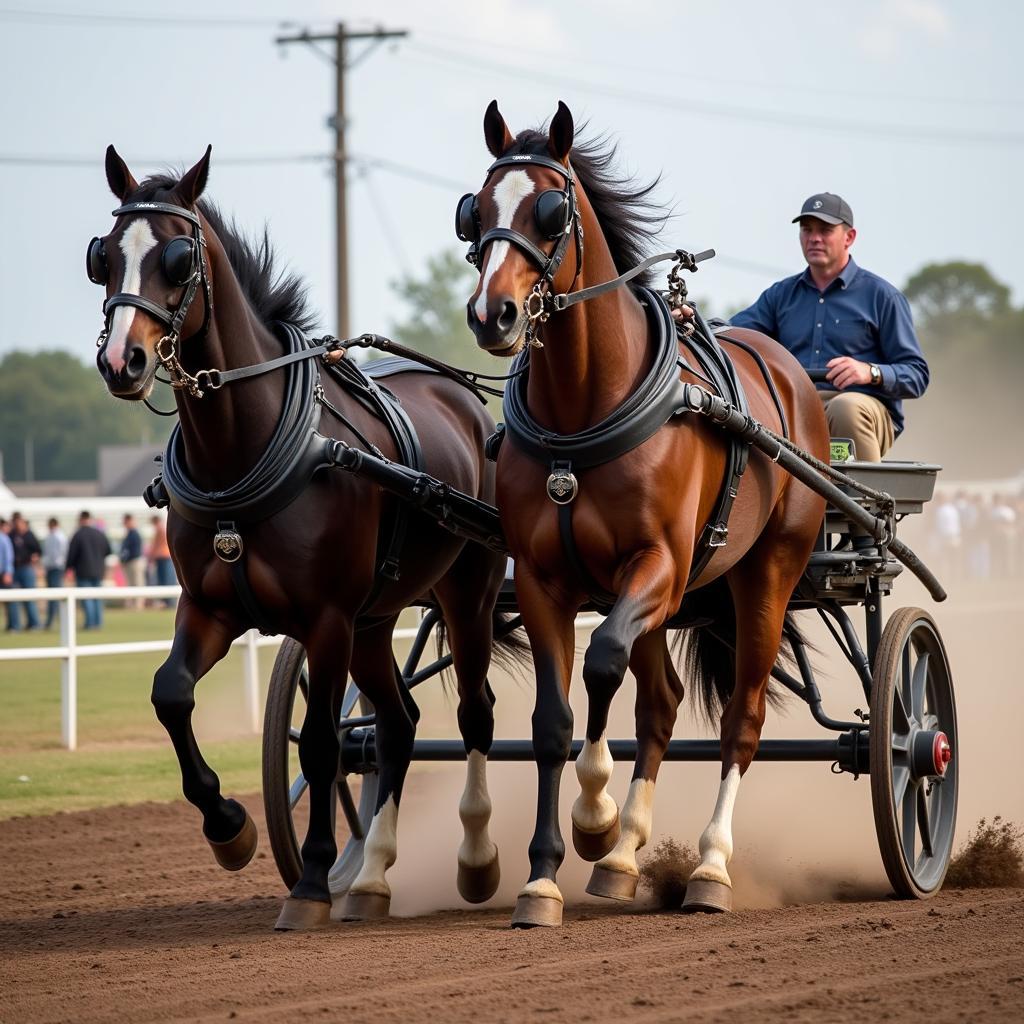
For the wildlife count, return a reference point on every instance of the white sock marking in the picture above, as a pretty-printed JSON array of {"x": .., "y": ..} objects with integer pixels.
[
  {"x": 508, "y": 194},
  {"x": 134, "y": 244},
  {"x": 636, "y": 823},
  {"x": 379, "y": 851},
  {"x": 716, "y": 842},
  {"x": 594, "y": 809},
  {"x": 477, "y": 850}
]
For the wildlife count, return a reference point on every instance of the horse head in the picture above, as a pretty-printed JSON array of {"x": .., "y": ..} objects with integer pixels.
[
  {"x": 153, "y": 265},
  {"x": 520, "y": 226}
]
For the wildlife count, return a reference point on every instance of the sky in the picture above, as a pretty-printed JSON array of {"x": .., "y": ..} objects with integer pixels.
[{"x": 910, "y": 109}]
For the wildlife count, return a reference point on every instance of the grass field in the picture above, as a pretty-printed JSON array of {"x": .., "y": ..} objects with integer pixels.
[{"x": 124, "y": 754}]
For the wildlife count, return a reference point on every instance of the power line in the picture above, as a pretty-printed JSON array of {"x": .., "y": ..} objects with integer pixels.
[
  {"x": 904, "y": 133},
  {"x": 732, "y": 81}
]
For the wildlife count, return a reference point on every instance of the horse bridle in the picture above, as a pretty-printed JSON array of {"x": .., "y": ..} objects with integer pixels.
[
  {"x": 539, "y": 303},
  {"x": 167, "y": 346}
]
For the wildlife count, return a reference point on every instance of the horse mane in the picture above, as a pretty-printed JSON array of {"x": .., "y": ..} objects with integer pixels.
[
  {"x": 276, "y": 296},
  {"x": 630, "y": 220}
]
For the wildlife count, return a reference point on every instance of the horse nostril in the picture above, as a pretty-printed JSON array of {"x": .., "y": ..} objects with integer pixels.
[
  {"x": 509, "y": 316},
  {"x": 136, "y": 362}
]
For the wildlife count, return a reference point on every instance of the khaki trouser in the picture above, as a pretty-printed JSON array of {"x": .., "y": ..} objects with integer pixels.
[{"x": 862, "y": 417}]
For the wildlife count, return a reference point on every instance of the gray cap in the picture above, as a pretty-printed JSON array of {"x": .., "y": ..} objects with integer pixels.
[{"x": 829, "y": 207}]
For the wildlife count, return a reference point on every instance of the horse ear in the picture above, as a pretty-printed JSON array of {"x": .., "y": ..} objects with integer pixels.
[
  {"x": 561, "y": 133},
  {"x": 496, "y": 132},
  {"x": 191, "y": 186},
  {"x": 119, "y": 178}
]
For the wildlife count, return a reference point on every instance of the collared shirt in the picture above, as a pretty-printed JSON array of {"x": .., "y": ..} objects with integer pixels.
[
  {"x": 55, "y": 549},
  {"x": 860, "y": 315}
]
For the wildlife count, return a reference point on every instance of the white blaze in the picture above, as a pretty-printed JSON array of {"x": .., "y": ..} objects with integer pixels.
[
  {"x": 134, "y": 244},
  {"x": 508, "y": 195}
]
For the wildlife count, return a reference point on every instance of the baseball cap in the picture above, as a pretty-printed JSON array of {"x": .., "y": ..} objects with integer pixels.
[{"x": 827, "y": 206}]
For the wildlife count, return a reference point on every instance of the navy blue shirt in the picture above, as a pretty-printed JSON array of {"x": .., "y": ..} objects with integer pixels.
[{"x": 860, "y": 315}]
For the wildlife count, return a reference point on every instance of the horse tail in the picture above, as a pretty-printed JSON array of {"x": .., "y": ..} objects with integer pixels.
[
  {"x": 510, "y": 649},
  {"x": 708, "y": 653}
]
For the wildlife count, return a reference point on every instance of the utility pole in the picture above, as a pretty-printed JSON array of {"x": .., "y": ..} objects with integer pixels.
[{"x": 340, "y": 37}]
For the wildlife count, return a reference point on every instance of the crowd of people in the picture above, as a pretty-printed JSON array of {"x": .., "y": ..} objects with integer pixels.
[
  {"x": 26, "y": 562},
  {"x": 976, "y": 537}
]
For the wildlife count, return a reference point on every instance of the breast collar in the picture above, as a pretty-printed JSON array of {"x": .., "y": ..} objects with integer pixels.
[{"x": 659, "y": 397}]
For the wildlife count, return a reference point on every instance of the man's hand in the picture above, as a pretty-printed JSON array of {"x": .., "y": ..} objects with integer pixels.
[
  {"x": 683, "y": 312},
  {"x": 844, "y": 371}
]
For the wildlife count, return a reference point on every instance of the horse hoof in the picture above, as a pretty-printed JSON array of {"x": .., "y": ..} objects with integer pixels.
[
  {"x": 593, "y": 846},
  {"x": 613, "y": 885},
  {"x": 479, "y": 884},
  {"x": 363, "y": 906},
  {"x": 234, "y": 854},
  {"x": 537, "y": 912},
  {"x": 706, "y": 896},
  {"x": 303, "y": 915}
]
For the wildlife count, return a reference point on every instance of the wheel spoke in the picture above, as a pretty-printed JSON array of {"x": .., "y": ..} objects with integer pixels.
[
  {"x": 917, "y": 687},
  {"x": 924, "y": 820},
  {"x": 900, "y": 719},
  {"x": 350, "y": 700},
  {"x": 293, "y": 735},
  {"x": 298, "y": 787},
  {"x": 909, "y": 831},
  {"x": 900, "y": 780},
  {"x": 304, "y": 683}
]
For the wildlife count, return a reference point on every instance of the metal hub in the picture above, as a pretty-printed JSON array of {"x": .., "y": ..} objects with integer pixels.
[{"x": 930, "y": 754}]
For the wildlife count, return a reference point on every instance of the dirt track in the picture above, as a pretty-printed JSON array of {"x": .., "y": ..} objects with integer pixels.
[{"x": 97, "y": 926}]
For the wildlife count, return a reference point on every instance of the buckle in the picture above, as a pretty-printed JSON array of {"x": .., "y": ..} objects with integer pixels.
[{"x": 719, "y": 536}]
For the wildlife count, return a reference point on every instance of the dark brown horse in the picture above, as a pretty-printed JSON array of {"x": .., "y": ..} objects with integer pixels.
[
  {"x": 636, "y": 519},
  {"x": 186, "y": 290}
]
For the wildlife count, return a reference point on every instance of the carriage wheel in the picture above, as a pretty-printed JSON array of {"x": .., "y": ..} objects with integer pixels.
[
  {"x": 284, "y": 786},
  {"x": 914, "y": 754}
]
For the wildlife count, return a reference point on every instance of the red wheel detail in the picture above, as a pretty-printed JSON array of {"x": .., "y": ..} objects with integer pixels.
[{"x": 942, "y": 754}]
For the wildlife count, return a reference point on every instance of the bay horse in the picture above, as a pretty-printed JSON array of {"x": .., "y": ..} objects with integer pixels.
[
  {"x": 186, "y": 290},
  {"x": 637, "y": 519}
]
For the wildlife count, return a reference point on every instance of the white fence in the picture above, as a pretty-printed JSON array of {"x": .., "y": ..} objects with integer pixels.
[{"x": 69, "y": 650}]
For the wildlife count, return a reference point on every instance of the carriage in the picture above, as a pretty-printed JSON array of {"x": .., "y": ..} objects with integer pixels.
[
  {"x": 659, "y": 423},
  {"x": 905, "y": 740}
]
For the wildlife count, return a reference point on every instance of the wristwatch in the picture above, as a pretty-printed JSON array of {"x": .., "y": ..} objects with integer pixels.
[{"x": 876, "y": 374}]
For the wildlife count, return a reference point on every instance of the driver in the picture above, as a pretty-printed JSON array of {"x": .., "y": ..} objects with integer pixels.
[{"x": 838, "y": 316}]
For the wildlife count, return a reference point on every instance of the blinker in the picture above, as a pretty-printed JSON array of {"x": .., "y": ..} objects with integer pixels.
[
  {"x": 177, "y": 262},
  {"x": 467, "y": 218},
  {"x": 551, "y": 212},
  {"x": 96, "y": 262}
]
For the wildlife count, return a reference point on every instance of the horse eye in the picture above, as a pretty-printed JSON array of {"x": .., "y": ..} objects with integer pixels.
[
  {"x": 96, "y": 262},
  {"x": 176, "y": 261}
]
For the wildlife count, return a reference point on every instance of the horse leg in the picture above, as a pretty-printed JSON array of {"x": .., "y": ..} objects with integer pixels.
[
  {"x": 200, "y": 641},
  {"x": 328, "y": 649},
  {"x": 760, "y": 585},
  {"x": 549, "y": 624},
  {"x": 378, "y": 676},
  {"x": 467, "y": 615},
  {"x": 658, "y": 694}
]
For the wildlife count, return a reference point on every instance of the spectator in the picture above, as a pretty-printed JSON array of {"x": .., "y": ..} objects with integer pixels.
[
  {"x": 87, "y": 555},
  {"x": 132, "y": 560},
  {"x": 55, "y": 557},
  {"x": 1004, "y": 536},
  {"x": 160, "y": 558},
  {"x": 6, "y": 563},
  {"x": 947, "y": 538},
  {"x": 26, "y": 558}
]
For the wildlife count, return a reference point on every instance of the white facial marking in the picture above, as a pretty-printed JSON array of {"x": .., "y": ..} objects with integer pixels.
[
  {"x": 594, "y": 810},
  {"x": 508, "y": 195},
  {"x": 477, "y": 850},
  {"x": 636, "y": 822},
  {"x": 716, "y": 842},
  {"x": 379, "y": 851},
  {"x": 134, "y": 244}
]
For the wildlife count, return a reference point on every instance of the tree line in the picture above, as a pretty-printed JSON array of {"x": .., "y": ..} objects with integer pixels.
[{"x": 55, "y": 411}]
